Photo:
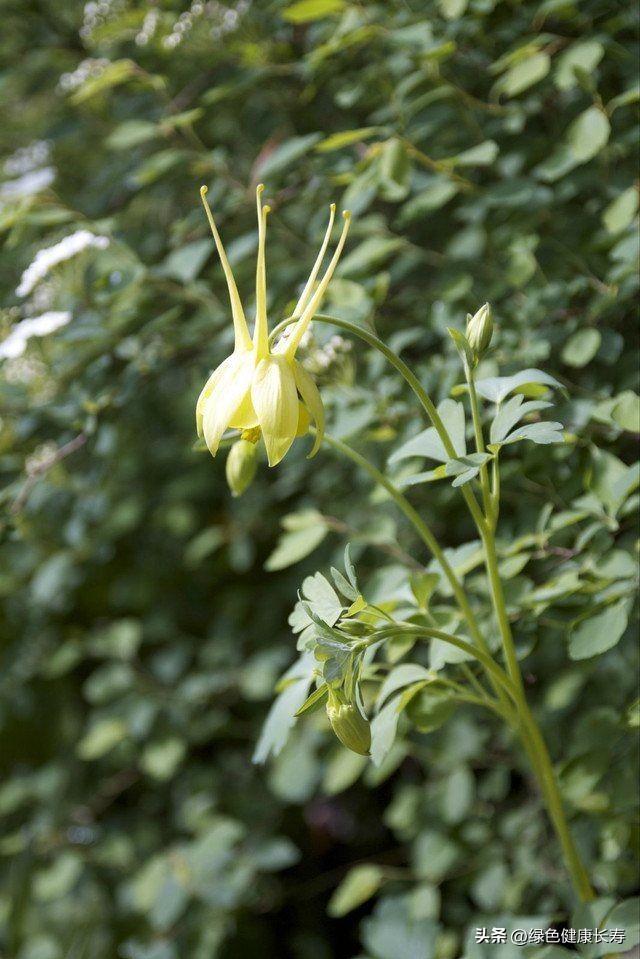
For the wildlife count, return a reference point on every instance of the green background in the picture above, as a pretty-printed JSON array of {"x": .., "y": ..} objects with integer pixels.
[{"x": 487, "y": 151}]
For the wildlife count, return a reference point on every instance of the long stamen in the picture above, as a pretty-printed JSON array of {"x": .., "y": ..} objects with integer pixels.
[
  {"x": 299, "y": 329},
  {"x": 306, "y": 293},
  {"x": 261, "y": 331},
  {"x": 243, "y": 339}
]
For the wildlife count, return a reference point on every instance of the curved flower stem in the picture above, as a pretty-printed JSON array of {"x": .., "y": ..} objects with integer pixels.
[
  {"x": 423, "y": 531},
  {"x": 425, "y": 401},
  {"x": 426, "y": 632}
]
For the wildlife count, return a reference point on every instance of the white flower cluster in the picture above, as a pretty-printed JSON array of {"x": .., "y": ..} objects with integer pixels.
[
  {"x": 86, "y": 70},
  {"x": 29, "y": 183},
  {"x": 28, "y": 158},
  {"x": 148, "y": 29},
  {"x": 97, "y": 13},
  {"x": 15, "y": 344},
  {"x": 49, "y": 257},
  {"x": 324, "y": 356},
  {"x": 23, "y": 166},
  {"x": 227, "y": 19}
]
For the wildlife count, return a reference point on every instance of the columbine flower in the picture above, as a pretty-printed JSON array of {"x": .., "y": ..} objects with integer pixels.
[{"x": 259, "y": 389}]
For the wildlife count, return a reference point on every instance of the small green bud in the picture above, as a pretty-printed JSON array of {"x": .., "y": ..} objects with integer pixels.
[
  {"x": 349, "y": 725},
  {"x": 480, "y": 330},
  {"x": 241, "y": 466}
]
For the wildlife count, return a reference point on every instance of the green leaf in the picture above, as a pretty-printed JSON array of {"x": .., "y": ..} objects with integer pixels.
[
  {"x": 285, "y": 155},
  {"x": 483, "y": 154},
  {"x": 403, "y": 675},
  {"x": 115, "y": 73},
  {"x": 523, "y": 75},
  {"x": 383, "y": 732},
  {"x": 439, "y": 192},
  {"x": 314, "y": 701},
  {"x": 161, "y": 759},
  {"x": 599, "y": 633},
  {"x": 581, "y": 348},
  {"x": 370, "y": 254},
  {"x": 130, "y": 133},
  {"x": 337, "y": 141},
  {"x": 322, "y": 598},
  {"x": 429, "y": 444},
  {"x": 588, "y": 134},
  {"x": 497, "y": 388},
  {"x": 585, "y": 56},
  {"x": 101, "y": 738},
  {"x": 620, "y": 213},
  {"x": 282, "y": 715},
  {"x": 343, "y": 769},
  {"x": 392, "y": 932},
  {"x": 626, "y": 411},
  {"x": 185, "y": 263},
  {"x": 155, "y": 167},
  {"x": 304, "y": 11},
  {"x": 343, "y": 585},
  {"x": 466, "y": 468},
  {"x": 359, "y": 885},
  {"x": 542, "y": 433},
  {"x": 430, "y": 709},
  {"x": 511, "y": 413},
  {"x": 303, "y": 533},
  {"x": 452, "y": 9}
]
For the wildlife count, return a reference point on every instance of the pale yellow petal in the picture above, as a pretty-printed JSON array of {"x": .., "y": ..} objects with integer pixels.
[
  {"x": 275, "y": 400},
  {"x": 313, "y": 401},
  {"x": 308, "y": 289},
  {"x": 303, "y": 419},
  {"x": 205, "y": 393},
  {"x": 293, "y": 341},
  {"x": 243, "y": 339},
  {"x": 261, "y": 330},
  {"x": 226, "y": 397}
]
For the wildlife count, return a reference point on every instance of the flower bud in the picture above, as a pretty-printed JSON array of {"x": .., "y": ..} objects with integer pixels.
[
  {"x": 241, "y": 466},
  {"x": 480, "y": 330},
  {"x": 349, "y": 725}
]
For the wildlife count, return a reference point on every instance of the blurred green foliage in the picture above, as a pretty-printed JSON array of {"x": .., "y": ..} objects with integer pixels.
[{"x": 488, "y": 153}]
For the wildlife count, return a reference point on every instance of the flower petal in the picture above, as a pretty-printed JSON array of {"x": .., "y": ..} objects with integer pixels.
[
  {"x": 243, "y": 339},
  {"x": 261, "y": 331},
  {"x": 305, "y": 296},
  {"x": 311, "y": 395},
  {"x": 228, "y": 393},
  {"x": 293, "y": 340},
  {"x": 275, "y": 400},
  {"x": 206, "y": 391}
]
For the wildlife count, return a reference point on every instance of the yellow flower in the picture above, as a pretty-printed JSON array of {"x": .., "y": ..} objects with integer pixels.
[{"x": 260, "y": 387}]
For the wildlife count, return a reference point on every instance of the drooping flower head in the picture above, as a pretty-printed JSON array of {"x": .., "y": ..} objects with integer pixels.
[{"x": 259, "y": 390}]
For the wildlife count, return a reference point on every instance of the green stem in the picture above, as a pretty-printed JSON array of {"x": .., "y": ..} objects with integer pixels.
[
  {"x": 477, "y": 429},
  {"x": 499, "y": 605},
  {"x": 529, "y": 730},
  {"x": 425, "y": 632},
  {"x": 423, "y": 531},
  {"x": 534, "y": 743}
]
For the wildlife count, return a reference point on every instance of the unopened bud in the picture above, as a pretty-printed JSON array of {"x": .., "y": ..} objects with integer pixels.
[
  {"x": 349, "y": 725},
  {"x": 241, "y": 466},
  {"x": 480, "y": 330}
]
